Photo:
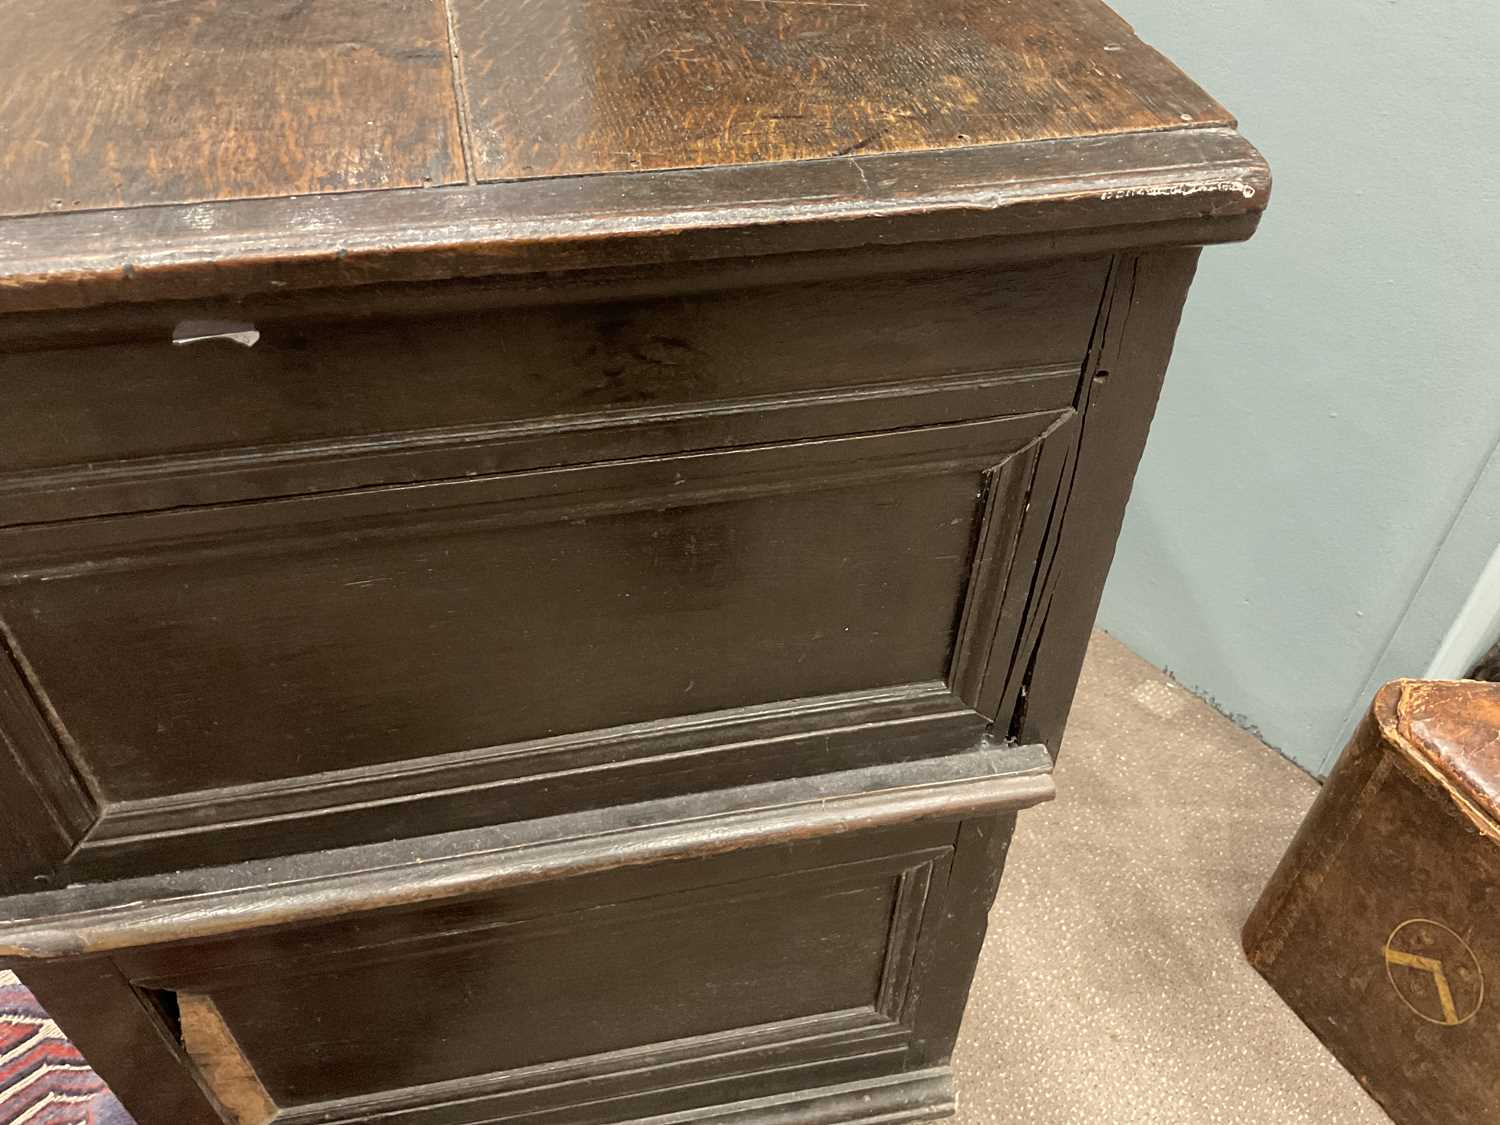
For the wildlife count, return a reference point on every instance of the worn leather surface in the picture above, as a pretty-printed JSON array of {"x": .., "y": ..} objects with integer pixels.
[{"x": 1451, "y": 729}]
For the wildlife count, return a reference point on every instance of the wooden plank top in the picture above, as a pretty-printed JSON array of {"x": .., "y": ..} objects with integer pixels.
[
  {"x": 571, "y": 87},
  {"x": 186, "y": 148},
  {"x": 119, "y": 103}
]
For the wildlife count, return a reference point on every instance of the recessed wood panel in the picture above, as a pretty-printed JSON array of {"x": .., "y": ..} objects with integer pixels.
[
  {"x": 578, "y": 985},
  {"x": 446, "y": 618},
  {"x": 568, "y": 87},
  {"x": 241, "y": 670},
  {"x": 111, "y": 103}
]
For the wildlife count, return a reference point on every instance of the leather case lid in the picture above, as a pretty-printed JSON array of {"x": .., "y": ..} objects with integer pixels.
[{"x": 1450, "y": 729}]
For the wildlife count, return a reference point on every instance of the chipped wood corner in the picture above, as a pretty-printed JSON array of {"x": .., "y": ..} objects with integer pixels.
[{"x": 221, "y": 1063}]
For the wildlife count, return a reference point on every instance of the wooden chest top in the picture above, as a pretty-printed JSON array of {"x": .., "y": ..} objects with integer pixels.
[{"x": 167, "y": 148}]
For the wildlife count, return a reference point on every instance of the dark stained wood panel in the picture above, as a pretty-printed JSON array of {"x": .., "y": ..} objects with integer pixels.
[
  {"x": 111, "y": 103},
  {"x": 322, "y": 378},
  {"x": 718, "y": 962},
  {"x": 568, "y": 87},
  {"x": 411, "y": 642}
]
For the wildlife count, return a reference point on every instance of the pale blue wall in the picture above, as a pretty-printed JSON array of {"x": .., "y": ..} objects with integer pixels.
[{"x": 1335, "y": 391}]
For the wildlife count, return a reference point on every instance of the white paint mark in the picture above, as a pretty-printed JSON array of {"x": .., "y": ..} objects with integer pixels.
[
  {"x": 201, "y": 218},
  {"x": 1240, "y": 186},
  {"x": 192, "y": 331}
]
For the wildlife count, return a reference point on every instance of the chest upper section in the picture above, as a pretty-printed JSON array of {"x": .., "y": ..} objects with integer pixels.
[{"x": 126, "y": 103}]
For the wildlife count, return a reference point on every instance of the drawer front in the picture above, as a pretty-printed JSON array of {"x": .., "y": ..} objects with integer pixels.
[
  {"x": 771, "y": 940},
  {"x": 531, "y": 1004},
  {"x": 323, "y": 401},
  {"x": 674, "y": 982}
]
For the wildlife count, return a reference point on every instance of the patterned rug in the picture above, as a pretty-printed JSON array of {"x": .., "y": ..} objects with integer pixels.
[{"x": 43, "y": 1079}]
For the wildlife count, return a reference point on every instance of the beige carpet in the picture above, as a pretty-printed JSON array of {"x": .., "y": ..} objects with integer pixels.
[{"x": 1112, "y": 990}]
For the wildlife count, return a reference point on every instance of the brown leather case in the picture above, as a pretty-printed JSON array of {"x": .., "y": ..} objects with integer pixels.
[{"x": 1379, "y": 927}]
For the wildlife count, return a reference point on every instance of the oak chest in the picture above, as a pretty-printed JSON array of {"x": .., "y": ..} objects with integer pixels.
[{"x": 543, "y": 543}]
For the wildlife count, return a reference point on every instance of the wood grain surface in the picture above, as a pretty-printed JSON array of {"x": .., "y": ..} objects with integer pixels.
[
  {"x": 1039, "y": 199},
  {"x": 180, "y": 149},
  {"x": 567, "y": 87},
  {"x": 111, "y": 103},
  {"x": 131, "y": 102}
]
